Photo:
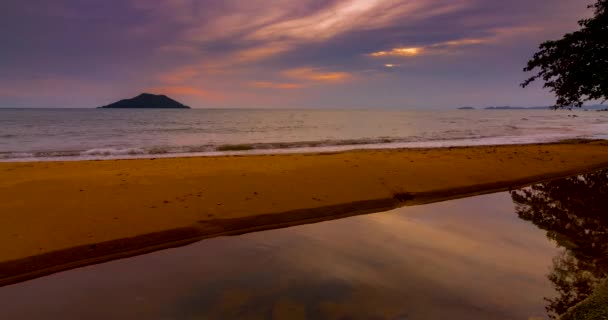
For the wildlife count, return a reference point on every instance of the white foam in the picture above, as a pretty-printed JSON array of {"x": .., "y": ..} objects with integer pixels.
[
  {"x": 112, "y": 152},
  {"x": 138, "y": 153}
]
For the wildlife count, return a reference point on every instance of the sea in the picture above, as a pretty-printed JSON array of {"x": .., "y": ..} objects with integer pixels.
[{"x": 97, "y": 134}]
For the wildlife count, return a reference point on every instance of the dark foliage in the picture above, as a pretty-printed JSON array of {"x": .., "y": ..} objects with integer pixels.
[
  {"x": 574, "y": 213},
  {"x": 575, "y": 67}
]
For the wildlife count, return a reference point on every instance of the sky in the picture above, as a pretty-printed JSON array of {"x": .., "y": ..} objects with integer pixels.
[{"x": 277, "y": 53}]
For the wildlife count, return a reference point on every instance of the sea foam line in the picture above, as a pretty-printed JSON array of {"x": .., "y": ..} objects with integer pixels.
[{"x": 272, "y": 148}]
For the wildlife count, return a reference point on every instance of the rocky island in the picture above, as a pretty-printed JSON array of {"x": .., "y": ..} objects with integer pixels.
[{"x": 146, "y": 101}]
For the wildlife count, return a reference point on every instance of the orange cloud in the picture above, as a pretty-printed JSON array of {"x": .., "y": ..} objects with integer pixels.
[
  {"x": 311, "y": 74},
  {"x": 184, "y": 90},
  {"x": 435, "y": 48},
  {"x": 398, "y": 52},
  {"x": 275, "y": 85},
  {"x": 220, "y": 64},
  {"x": 260, "y": 52},
  {"x": 179, "y": 75}
]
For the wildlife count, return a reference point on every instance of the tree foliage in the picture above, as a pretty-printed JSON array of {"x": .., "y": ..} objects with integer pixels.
[{"x": 575, "y": 67}]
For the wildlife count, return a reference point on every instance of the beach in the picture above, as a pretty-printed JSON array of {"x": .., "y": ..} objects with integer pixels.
[{"x": 61, "y": 215}]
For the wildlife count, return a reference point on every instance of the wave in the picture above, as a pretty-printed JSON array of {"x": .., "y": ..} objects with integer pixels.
[{"x": 272, "y": 147}]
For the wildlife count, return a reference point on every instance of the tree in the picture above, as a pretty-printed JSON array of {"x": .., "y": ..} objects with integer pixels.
[{"x": 575, "y": 67}]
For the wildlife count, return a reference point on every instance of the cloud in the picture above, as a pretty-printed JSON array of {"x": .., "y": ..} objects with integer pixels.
[
  {"x": 184, "y": 91},
  {"x": 239, "y": 32},
  {"x": 236, "y": 38},
  {"x": 398, "y": 52},
  {"x": 259, "y": 52},
  {"x": 179, "y": 75},
  {"x": 320, "y": 25},
  {"x": 275, "y": 85},
  {"x": 316, "y": 75},
  {"x": 435, "y": 48},
  {"x": 351, "y": 15},
  {"x": 447, "y": 47}
]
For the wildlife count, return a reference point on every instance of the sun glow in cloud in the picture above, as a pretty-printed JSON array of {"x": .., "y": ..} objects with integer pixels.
[
  {"x": 440, "y": 47},
  {"x": 312, "y": 74},
  {"x": 275, "y": 85},
  {"x": 398, "y": 52}
]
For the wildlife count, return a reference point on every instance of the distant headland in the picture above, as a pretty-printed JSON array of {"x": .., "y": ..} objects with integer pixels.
[
  {"x": 146, "y": 101},
  {"x": 584, "y": 108},
  {"x": 517, "y": 108}
]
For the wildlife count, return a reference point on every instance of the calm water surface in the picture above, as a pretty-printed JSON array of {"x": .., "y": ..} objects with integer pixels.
[{"x": 528, "y": 254}]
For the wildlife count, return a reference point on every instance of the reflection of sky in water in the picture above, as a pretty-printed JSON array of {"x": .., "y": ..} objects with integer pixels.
[{"x": 463, "y": 259}]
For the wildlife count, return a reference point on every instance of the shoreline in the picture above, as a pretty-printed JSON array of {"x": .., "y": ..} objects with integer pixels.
[
  {"x": 379, "y": 187},
  {"x": 275, "y": 148}
]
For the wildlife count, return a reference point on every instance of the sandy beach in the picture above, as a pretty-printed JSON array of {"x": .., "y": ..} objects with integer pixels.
[{"x": 61, "y": 215}]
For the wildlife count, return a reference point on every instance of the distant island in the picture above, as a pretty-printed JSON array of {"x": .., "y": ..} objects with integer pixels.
[
  {"x": 146, "y": 101},
  {"x": 517, "y": 108},
  {"x": 584, "y": 108}
]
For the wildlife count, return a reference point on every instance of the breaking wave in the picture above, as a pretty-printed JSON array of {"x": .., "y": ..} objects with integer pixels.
[{"x": 267, "y": 148}]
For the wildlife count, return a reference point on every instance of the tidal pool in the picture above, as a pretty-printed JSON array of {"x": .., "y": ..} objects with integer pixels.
[{"x": 528, "y": 254}]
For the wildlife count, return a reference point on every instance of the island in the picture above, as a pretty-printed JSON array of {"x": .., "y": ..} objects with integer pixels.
[
  {"x": 466, "y": 108},
  {"x": 517, "y": 108},
  {"x": 146, "y": 101}
]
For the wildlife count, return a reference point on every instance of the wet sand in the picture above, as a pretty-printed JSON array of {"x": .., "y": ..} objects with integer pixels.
[{"x": 61, "y": 215}]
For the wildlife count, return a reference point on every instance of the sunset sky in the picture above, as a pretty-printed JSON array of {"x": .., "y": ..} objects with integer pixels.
[{"x": 277, "y": 53}]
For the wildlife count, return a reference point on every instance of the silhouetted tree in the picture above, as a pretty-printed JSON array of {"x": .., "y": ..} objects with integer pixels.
[
  {"x": 575, "y": 67},
  {"x": 574, "y": 213}
]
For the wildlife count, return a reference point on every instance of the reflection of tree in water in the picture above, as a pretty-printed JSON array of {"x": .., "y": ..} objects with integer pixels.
[{"x": 574, "y": 212}]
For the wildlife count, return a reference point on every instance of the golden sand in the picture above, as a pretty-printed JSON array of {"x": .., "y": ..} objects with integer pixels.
[{"x": 59, "y": 215}]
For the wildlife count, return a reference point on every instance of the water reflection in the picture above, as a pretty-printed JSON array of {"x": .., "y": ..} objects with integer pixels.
[
  {"x": 462, "y": 259},
  {"x": 574, "y": 213},
  {"x": 450, "y": 260}
]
